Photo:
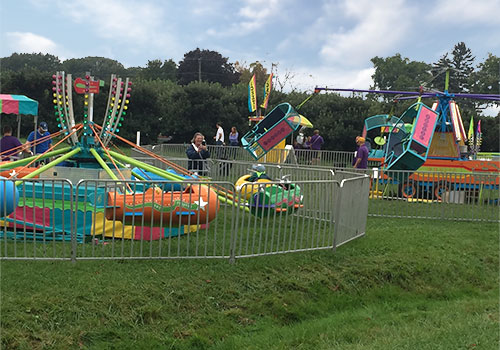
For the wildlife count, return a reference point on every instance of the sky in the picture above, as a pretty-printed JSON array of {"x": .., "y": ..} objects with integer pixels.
[{"x": 313, "y": 42}]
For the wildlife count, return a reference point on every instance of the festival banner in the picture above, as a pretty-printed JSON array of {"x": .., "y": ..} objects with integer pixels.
[
  {"x": 478, "y": 134},
  {"x": 252, "y": 95},
  {"x": 267, "y": 90},
  {"x": 470, "y": 135}
]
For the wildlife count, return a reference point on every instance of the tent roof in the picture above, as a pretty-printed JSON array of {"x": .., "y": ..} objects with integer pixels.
[{"x": 18, "y": 104}]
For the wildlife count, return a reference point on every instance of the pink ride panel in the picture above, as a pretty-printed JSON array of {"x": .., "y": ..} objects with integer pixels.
[
  {"x": 425, "y": 126},
  {"x": 275, "y": 135}
]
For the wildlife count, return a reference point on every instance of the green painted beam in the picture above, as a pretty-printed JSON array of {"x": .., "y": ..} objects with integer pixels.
[
  {"x": 25, "y": 161},
  {"x": 50, "y": 165},
  {"x": 103, "y": 164}
]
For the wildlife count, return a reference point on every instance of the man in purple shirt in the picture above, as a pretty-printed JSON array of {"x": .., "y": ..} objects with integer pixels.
[
  {"x": 361, "y": 160},
  {"x": 315, "y": 145},
  {"x": 10, "y": 146}
]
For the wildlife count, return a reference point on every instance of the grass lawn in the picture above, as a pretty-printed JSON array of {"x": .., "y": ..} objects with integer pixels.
[{"x": 407, "y": 284}]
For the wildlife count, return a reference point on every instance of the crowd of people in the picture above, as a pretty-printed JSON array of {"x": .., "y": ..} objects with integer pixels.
[{"x": 197, "y": 152}]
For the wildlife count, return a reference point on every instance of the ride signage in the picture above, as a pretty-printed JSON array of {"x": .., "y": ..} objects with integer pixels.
[{"x": 83, "y": 86}]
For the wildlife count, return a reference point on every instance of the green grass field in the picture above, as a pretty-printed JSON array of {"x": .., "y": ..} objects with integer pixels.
[{"x": 405, "y": 285}]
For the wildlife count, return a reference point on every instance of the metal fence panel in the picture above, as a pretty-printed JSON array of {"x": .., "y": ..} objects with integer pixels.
[
  {"x": 36, "y": 219},
  {"x": 111, "y": 219},
  {"x": 350, "y": 222},
  {"x": 280, "y": 156},
  {"x": 285, "y": 218},
  {"x": 435, "y": 195},
  {"x": 402, "y": 194},
  {"x": 155, "y": 226}
]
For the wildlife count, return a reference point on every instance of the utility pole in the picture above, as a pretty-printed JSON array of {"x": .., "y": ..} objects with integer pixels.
[{"x": 199, "y": 70}]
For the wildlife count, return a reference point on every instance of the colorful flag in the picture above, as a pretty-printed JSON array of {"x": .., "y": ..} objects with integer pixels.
[
  {"x": 252, "y": 95},
  {"x": 267, "y": 90},
  {"x": 478, "y": 134},
  {"x": 470, "y": 135}
]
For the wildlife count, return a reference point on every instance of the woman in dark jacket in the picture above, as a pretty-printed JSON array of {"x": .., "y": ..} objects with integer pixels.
[{"x": 197, "y": 153}]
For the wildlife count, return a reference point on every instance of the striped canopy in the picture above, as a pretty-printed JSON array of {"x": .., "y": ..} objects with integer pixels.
[{"x": 18, "y": 104}]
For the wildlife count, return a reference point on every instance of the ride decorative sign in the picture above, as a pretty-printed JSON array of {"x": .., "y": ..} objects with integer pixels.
[
  {"x": 275, "y": 135},
  {"x": 83, "y": 86},
  {"x": 425, "y": 126}
]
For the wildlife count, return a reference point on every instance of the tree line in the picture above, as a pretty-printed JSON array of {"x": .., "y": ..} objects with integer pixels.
[{"x": 204, "y": 88}]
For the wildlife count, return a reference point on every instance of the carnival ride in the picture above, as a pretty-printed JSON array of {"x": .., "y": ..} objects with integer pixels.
[
  {"x": 169, "y": 208},
  {"x": 265, "y": 196},
  {"x": 427, "y": 139},
  {"x": 90, "y": 148},
  {"x": 270, "y": 131}
]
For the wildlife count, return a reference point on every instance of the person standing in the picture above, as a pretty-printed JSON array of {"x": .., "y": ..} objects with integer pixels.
[
  {"x": 219, "y": 135},
  {"x": 234, "y": 137},
  {"x": 197, "y": 152},
  {"x": 300, "y": 139},
  {"x": 361, "y": 159},
  {"x": 219, "y": 141},
  {"x": 10, "y": 146},
  {"x": 41, "y": 133},
  {"x": 315, "y": 145}
]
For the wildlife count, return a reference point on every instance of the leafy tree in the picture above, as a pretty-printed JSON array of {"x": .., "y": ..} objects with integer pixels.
[
  {"x": 208, "y": 66},
  {"x": 34, "y": 84},
  {"x": 438, "y": 72},
  {"x": 159, "y": 105},
  {"x": 490, "y": 128},
  {"x": 463, "y": 64},
  {"x": 42, "y": 62},
  {"x": 99, "y": 67},
  {"x": 247, "y": 73},
  {"x": 460, "y": 65},
  {"x": 235, "y": 108},
  {"x": 144, "y": 112},
  {"x": 397, "y": 73},
  {"x": 133, "y": 72},
  {"x": 486, "y": 79},
  {"x": 206, "y": 109},
  {"x": 156, "y": 69}
]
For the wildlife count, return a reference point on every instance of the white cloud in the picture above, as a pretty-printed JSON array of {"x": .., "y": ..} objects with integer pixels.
[
  {"x": 114, "y": 19},
  {"x": 251, "y": 17},
  {"x": 256, "y": 13},
  {"x": 203, "y": 8},
  {"x": 135, "y": 23},
  {"x": 478, "y": 12},
  {"x": 378, "y": 27},
  {"x": 307, "y": 78},
  {"x": 30, "y": 43}
]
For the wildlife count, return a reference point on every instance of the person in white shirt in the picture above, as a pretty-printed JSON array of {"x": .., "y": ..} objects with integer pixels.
[{"x": 219, "y": 135}]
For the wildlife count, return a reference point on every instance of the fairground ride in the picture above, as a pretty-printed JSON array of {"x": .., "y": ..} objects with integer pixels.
[{"x": 426, "y": 139}]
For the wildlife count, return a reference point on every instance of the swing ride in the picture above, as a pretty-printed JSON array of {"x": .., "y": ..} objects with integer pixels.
[{"x": 426, "y": 139}]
